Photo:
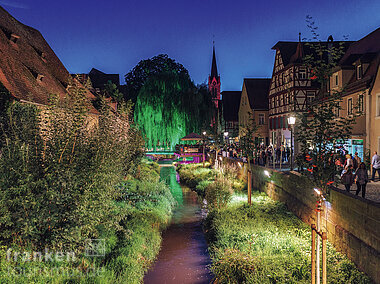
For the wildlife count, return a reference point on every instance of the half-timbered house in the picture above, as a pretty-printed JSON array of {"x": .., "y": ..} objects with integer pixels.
[{"x": 292, "y": 86}]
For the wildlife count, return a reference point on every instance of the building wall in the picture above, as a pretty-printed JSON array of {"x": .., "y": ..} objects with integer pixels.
[
  {"x": 263, "y": 131},
  {"x": 245, "y": 111},
  {"x": 352, "y": 223},
  {"x": 374, "y": 116}
]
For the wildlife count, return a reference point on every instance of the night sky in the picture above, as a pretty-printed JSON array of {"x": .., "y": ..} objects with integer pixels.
[{"x": 114, "y": 35}]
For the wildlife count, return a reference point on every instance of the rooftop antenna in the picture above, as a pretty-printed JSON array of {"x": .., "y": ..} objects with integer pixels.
[{"x": 299, "y": 37}]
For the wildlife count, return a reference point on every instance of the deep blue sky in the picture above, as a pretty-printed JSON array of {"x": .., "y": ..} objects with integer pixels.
[{"x": 115, "y": 35}]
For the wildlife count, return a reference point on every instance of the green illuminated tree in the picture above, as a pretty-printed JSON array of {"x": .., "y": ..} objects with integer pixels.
[
  {"x": 169, "y": 105},
  {"x": 147, "y": 69}
]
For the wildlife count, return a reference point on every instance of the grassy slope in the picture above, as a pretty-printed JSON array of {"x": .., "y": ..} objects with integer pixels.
[{"x": 272, "y": 241}]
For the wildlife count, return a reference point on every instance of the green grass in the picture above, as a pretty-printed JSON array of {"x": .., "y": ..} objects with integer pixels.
[{"x": 265, "y": 243}]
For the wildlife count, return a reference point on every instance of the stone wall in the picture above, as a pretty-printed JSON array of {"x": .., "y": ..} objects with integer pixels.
[{"x": 352, "y": 223}]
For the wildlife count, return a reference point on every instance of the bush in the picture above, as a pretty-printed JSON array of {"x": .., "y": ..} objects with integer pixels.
[
  {"x": 218, "y": 193},
  {"x": 234, "y": 266},
  {"x": 58, "y": 171}
]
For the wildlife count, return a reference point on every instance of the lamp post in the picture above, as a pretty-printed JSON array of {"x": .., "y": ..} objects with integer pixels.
[
  {"x": 291, "y": 122},
  {"x": 226, "y": 137},
  {"x": 204, "y": 145}
]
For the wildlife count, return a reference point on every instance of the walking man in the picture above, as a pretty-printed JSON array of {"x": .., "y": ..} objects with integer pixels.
[{"x": 375, "y": 165}]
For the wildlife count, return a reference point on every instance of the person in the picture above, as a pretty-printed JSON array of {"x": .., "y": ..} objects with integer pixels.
[
  {"x": 348, "y": 162},
  {"x": 361, "y": 176},
  {"x": 375, "y": 165},
  {"x": 357, "y": 161},
  {"x": 347, "y": 178}
]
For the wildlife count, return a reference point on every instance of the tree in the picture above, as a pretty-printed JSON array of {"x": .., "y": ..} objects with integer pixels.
[
  {"x": 169, "y": 105},
  {"x": 148, "y": 68},
  {"x": 321, "y": 130},
  {"x": 247, "y": 145}
]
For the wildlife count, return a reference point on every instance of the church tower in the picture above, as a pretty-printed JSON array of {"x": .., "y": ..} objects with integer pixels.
[{"x": 214, "y": 81}]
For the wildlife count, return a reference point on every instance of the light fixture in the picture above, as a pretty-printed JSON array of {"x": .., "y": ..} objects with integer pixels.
[
  {"x": 226, "y": 134},
  {"x": 266, "y": 173},
  {"x": 317, "y": 191},
  {"x": 291, "y": 120},
  {"x": 204, "y": 132}
]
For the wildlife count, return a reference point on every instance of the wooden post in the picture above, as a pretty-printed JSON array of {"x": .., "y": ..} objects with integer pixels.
[
  {"x": 324, "y": 258},
  {"x": 313, "y": 253},
  {"x": 249, "y": 186}
]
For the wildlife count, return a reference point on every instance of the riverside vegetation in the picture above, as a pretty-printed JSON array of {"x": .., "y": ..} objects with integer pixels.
[
  {"x": 264, "y": 243},
  {"x": 64, "y": 181}
]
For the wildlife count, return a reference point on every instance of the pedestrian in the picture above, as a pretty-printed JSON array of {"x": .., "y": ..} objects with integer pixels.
[
  {"x": 375, "y": 165},
  {"x": 357, "y": 161},
  {"x": 347, "y": 178},
  {"x": 348, "y": 162},
  {"x": 361, "y": 176}
]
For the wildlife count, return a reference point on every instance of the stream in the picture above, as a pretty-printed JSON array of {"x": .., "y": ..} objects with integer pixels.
[{"x": 183, "y": 257}]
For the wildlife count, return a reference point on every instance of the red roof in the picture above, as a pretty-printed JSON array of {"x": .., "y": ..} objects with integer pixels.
[
  {"x": 29, "y": 68},
  {"x": 192, "y": 137}
]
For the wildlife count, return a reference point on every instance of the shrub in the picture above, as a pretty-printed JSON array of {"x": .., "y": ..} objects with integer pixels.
[
  {"x": 58, "y": 171},
  {"x": 218, "y": 193},
  {"x": 234, "y": 266},
  {"x": 202, "y": 186}
]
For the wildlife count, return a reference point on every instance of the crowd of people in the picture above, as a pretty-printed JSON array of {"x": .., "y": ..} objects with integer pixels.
[{"x": 355, "y": 171}]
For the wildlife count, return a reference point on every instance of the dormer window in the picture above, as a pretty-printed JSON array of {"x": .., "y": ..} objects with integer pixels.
[
  {"x": 14, "y": 38},
  {"x": 40, "y": 77},
  {"x": 359, "y": 72},
  {"x": 336, "y": 80}
]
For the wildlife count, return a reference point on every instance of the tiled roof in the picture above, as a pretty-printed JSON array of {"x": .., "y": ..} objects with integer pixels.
[
  {"x": 192, "y": 136},
  {"x": 99, "y": 78},
  {"x": 257, "y": 91},
  {"x": 231, "y": 102},
  {"x": 291, "y": 51},
  {"x": 368, "y": 44},
  {"x": 29, "y": 68},
  {"x": 365, "y": 50}
]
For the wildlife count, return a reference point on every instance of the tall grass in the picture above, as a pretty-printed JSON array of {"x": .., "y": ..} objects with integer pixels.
[{"x": 272, "y": 240}]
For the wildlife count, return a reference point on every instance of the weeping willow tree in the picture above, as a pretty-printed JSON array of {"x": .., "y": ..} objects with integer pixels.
[{"x": 169, "y": 106}]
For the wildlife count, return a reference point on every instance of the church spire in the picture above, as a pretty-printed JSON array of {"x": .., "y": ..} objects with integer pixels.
[{"x": 214, "y": 68}]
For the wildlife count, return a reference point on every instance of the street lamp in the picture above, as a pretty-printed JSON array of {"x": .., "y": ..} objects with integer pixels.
[
  {"x": 291, "y": 122},
  {"x": 226, "y": 136}
]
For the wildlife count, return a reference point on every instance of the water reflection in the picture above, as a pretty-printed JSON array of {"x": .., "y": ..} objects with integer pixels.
[{"x": 183, "y": 257}]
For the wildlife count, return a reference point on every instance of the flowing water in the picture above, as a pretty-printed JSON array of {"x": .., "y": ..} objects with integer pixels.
[{"x": 183, "y": 257}]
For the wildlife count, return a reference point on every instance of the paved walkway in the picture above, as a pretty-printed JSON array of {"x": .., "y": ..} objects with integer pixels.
[{"x": 372, "y": 190}]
